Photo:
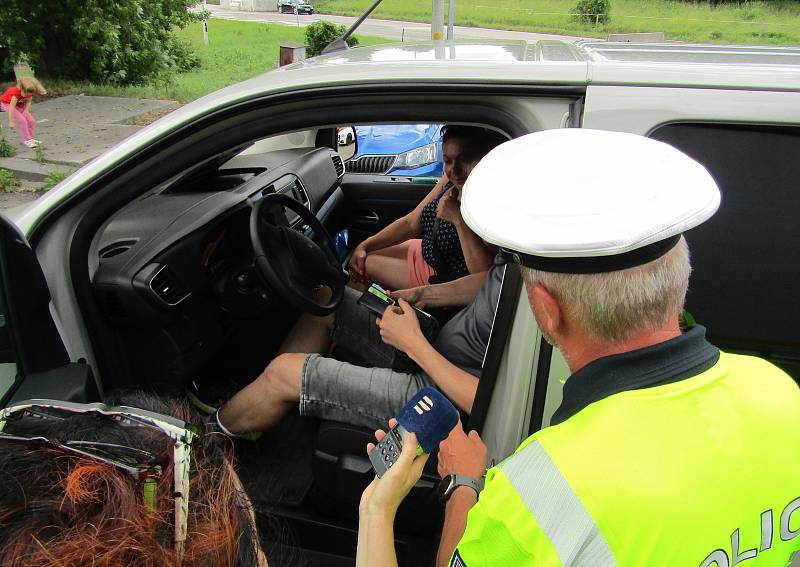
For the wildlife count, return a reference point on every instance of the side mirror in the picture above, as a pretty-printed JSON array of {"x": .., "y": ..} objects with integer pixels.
[{"x": 347, "y": 143}]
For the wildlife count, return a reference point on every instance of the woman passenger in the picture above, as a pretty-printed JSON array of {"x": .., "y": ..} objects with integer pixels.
[{"x": 432, "y": 244}]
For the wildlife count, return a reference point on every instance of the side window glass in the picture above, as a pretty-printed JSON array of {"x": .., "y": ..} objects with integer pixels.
[
  {"x": 407, "y": 150},
  {"x": 745, "y": 275},
  {"x": 8, "y": 358}
]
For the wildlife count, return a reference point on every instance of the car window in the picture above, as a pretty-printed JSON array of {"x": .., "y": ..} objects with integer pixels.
[
  {"x": 745, "y": 277},
  {"x": 287, "y": 141},
  {"x": 407, "y": 150}
]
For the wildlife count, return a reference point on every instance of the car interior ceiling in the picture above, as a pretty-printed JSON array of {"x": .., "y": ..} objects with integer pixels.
[{"x": 282, "y": 483}]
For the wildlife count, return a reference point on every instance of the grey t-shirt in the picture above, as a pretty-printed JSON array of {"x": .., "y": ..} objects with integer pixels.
[{"x": 463, "y": 340}]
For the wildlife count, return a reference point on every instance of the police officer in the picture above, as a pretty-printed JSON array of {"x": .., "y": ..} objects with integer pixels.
[{"x": 665, "y": 450}]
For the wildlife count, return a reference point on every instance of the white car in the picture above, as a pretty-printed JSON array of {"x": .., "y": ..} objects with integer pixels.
[{"x": 141, "y": 269}]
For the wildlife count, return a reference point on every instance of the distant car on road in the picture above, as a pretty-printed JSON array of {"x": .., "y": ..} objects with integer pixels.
[
  {"x": 413, "y": 150},
  {"x": 295, "y": 7}
]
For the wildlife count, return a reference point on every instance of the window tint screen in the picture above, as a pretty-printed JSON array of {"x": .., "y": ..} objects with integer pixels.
[{"x": 745, "y": 287}]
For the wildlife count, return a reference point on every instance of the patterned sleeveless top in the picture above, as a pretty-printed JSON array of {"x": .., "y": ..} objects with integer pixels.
[{"x": 447, "y": 258}]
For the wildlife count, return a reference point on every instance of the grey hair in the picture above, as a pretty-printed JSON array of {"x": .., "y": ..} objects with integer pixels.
[{"x": 614, "y": 305}]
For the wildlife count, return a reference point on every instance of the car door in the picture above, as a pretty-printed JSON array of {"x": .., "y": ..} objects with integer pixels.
[
  {"x": 377, "y": 189},
  {"x": 33, "y": 360}
]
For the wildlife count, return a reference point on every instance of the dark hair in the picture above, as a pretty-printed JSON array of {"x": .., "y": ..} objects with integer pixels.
[
  {"x": 479, "y": 141},
  {"x": 61, "y": 509}
]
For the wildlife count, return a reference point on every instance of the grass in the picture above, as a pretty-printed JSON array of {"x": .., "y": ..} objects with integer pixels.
[
  {"x": 52, "y": 179},
  {"x": 6, "y": 149},
  {"x": 236, "y": 51},
  {"x": 750, "y": 22},
  {"x": 7, "y": 180}
]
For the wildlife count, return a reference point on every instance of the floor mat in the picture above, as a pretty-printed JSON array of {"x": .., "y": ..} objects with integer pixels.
[{"x": 276, "y": 469}]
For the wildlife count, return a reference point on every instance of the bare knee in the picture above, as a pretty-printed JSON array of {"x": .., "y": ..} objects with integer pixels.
[{"x": 282, "y": 376}]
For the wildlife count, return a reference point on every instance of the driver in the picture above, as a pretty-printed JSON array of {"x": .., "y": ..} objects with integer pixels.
[{"x": 367, "y": 396}]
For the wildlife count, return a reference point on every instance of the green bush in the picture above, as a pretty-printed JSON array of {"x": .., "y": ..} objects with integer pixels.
[
  {"x": 121, "y": 42},
  {"x": 321, "y": 33},
  {"x": 593, "y": 11},
  {"x": 6, "y": 149},
  {"x": 7, "y": 180}
]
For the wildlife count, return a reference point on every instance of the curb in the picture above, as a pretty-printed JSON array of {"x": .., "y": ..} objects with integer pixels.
[{"x": 29, "y": 169}]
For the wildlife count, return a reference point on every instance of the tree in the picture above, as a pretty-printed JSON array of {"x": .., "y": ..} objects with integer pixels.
[
  {"x": 321, "y": 33},
  {"x": 115, "y": 41}
]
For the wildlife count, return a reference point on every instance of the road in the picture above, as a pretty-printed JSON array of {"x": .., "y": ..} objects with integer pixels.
[{"x": 396, "y": 30}]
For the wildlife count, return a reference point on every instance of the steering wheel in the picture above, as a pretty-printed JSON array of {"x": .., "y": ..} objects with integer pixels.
[{"x": 292, "y": 264}]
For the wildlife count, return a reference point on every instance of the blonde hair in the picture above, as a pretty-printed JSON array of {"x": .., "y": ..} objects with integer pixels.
[
  {"x": 31, "y": 85},
  {"x": 614, "y": 305}
]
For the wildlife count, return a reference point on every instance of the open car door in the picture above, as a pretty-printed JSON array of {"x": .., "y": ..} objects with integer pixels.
[{"x": 33, "y": 360}]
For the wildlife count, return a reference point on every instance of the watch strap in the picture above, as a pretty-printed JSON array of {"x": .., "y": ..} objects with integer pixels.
[{"x": 456, "y": 480}]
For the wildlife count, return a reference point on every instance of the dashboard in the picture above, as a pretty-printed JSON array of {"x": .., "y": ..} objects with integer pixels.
[{"x": 173, "y": 270}]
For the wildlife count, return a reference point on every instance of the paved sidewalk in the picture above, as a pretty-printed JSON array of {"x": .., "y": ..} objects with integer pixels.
[{"x": 74, "y": 130}]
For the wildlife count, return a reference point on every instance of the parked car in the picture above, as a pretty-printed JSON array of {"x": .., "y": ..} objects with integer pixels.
[
  {"x": 398, "y": 149},
  {"x": 139, "y": 269},
  {"x": 346, "y": 135},
  {"x": 295, "y": 7}
]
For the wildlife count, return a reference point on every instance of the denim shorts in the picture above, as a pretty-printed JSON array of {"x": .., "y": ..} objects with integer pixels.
[{"x": 362, "y": 395}]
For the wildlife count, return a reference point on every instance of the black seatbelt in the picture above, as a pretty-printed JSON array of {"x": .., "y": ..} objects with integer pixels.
[{"x": 503, "y": 321}]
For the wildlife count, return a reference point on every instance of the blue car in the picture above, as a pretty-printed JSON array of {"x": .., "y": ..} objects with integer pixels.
[{"x": 413, "y": 150}]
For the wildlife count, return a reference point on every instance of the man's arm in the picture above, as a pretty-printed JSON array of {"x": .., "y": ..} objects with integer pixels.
[
  {"x": 456, "y": 293},
  {"x": 464, "y": 455},
  {"x": 455, "y": 521},
  {"x": 400, "y": 329}
]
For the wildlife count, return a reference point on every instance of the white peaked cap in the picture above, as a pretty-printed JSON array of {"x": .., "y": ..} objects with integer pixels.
[{"x": 583, "y": 201}]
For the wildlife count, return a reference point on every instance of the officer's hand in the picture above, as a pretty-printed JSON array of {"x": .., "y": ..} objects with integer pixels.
[
  {"x": 384, "y": 495},
  {"x": 400, "y": 327},
  {"x": 462, "y": 454}
]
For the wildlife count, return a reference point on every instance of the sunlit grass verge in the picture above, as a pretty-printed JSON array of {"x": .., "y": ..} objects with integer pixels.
[
  {"x": 752, "y": 22},
  {"x": 236, "y": 51}
]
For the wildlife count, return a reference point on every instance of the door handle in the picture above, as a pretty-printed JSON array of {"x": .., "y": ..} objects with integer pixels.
[{"x": 369, "y": 218}]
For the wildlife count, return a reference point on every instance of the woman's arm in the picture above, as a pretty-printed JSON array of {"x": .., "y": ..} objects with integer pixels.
[
  {"x": 399, "y": 231},
  {"x": 478, "y": 255}
]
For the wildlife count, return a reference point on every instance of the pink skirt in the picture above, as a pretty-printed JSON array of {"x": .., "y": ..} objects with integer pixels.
[{"x": 419, "y": 272}]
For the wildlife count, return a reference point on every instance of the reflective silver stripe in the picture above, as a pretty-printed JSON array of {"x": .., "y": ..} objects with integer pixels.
[{"x": 557, "y": 509}]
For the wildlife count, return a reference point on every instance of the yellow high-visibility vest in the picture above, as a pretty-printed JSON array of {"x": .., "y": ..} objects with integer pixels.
[{"x": 700, "y": 472}]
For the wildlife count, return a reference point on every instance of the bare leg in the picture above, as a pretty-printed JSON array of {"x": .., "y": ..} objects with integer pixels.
[
  {"x": 267, "y": 399},
  {"x": 389, "y": 266},
  {"x": 263, "y": 402}
]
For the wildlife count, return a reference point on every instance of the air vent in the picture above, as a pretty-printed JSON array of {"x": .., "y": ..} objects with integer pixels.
[
  {"x": 299, "y": 194},
  {"x": 168, "y": 288},
  {"x": 377, "y": 165},
  {"x": 116, "y": 249},
  {"x": 338, "y": 164}
]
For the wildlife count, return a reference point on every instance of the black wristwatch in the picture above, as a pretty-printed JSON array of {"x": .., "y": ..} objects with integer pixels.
[{"x": 449, "y": 483}]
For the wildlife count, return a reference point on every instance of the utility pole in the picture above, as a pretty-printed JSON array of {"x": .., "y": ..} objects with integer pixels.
[
  {"x": 451, "y": 19},
  {"x": 205, "y": 22},
  {"x": 437, "y": 20}
]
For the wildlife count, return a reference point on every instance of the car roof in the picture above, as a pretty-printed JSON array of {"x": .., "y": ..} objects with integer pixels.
[{"x": 525, "y": 63}]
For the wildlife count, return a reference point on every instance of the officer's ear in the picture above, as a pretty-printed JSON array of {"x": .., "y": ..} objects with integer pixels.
[{"x": 546, "y": 309}]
